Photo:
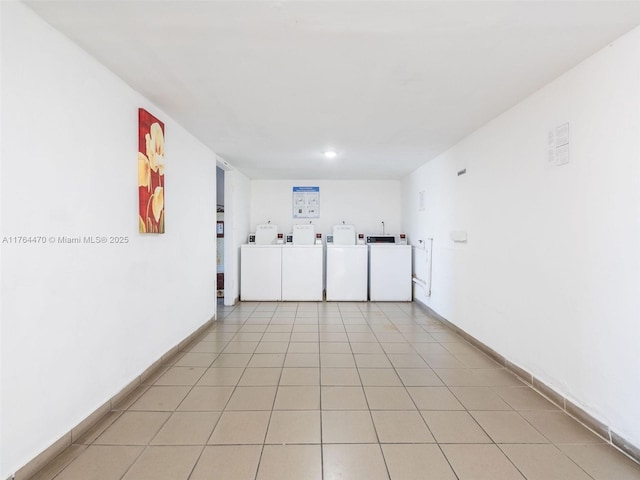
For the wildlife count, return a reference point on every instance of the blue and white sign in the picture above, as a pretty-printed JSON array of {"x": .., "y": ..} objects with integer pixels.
[{"x": 306, "y": 202}]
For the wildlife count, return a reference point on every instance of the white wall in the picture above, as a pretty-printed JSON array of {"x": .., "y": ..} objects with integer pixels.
[
  {"x": 1, "y": 276},
  {"x": 237, "y": 203},
  {"x": 550, "y": 276},
  {"x": 363, "y": 203},
  {"x": 79, "y": 322}
]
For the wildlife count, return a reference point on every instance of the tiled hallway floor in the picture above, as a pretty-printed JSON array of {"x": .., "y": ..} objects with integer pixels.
[{"x": 352, "y": 391}]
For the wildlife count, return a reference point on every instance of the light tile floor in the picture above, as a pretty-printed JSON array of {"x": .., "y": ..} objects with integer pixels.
[{"x": 327, "y": 391}]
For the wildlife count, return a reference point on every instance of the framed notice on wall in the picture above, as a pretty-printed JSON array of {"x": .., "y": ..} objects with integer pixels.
[{"x": 306, "y": 202}]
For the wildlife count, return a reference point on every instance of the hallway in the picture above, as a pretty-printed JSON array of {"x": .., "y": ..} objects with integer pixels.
[{"x": 354, "y": 391}]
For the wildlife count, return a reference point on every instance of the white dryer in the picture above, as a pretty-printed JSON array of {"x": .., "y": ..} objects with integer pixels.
[
  {"x": 303, "y": 266},
  {"x": 346, "y": 266},
  {"x": 261, "y": 266},
  {"x": 389, "y": 269}
]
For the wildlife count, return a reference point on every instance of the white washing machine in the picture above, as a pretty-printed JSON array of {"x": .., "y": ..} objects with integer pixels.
[
  {"x": 303, "y": 266},
  {"x": 261, "y": 266},
  {"x": 347, "y": 266},
  {"x": 389, "y": 270}
]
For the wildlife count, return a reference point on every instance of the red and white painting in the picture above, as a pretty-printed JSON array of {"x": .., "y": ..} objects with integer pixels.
[{"x": 150, "y": 173}]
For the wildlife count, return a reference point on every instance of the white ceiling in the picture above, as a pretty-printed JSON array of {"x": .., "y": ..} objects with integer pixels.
[{"x": 389, "y": 85}]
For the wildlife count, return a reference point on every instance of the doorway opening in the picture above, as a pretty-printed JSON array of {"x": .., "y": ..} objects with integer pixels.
[{"x": 220, "y": 235}]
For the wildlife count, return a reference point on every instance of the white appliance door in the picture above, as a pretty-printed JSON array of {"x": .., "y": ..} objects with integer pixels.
[
  {"x": 347, "y": 273},
  {"x": 390, "y": 273},
  {"x": 302, "y": 273},
  {"x": 261, "y": 273}
]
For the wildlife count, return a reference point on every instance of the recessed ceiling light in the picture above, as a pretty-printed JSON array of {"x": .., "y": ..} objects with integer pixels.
[{"x": 330, "y": 154}]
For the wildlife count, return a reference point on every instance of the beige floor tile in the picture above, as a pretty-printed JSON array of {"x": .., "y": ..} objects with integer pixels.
[
  {"x": 419, "y": 377},
  {"x": 279, "y": 328},
  {"x": 272, "y": 347},
  {"x": 358, "y": 323},
  {"x": 403, "y": 348},
  {"x": 266, "y": 360},
  {"x": 332, "y": 324},
  {"x": 241, "y": 428},
  {"x": 306, "y": 360},
  {"x": 260, "y": 377},
  {"x": 379, "y": 377},
  {"x": 219, "y": 336},
  {"x": 417, "y": 462},
  {"x": 181, "y": 376},
  {"x": 434, "y": 398},
  {"x": 192, "y": 359},
  {"x": 427, "y": 349},
  {"x": 343, "y": 398},
  {"x": 304, "y": 328},
  {"x": 297, "y": 398},
  {"x": 366, "y": 348},
  {"x": 524, "y": 398},
  {"x": 283, "y": 320},
  {"x": 419, "y": 337},
  {"x": 337, "y": 360},
  {"x": 101, "y": 463},
  {"x": 338, "y": 348},
  {"x": 255, "y": 327},
  {"x": 372, "y": 360},
  {"x": 334, "y": 337},
  {"x": 401, "y": 427},
  {"x": 353, "y": 462},
  {"x": 228, "y": 462},
  {"x": 544, "y": 462},
  {"x": 279, "y": 337},
  {"x": 133, "y": 428},
  {"x": 340, "y": 426},
  {"x": 300, "y": 376},
  {"x": 207, "y": 347},
  {"x": 290, "y": 462},
  {"x": 480, "y": 462},
  {"x": 454, "y": 427},
  {"x": 297, "y": 336},
  {"x": 508, "y": 427},
  {"x": 237, "y": 360},
  {"x": 161, "y": 399},
  {"x": 560, "y": 428},
  {"x": 340, "y": 376},
  {"x": 303, "y": 347},
  {"x": 384, "y": 337},
  {"x": 407, "y": 360},
  {"x": 206, "y": 399},
  {"x": 602, "y": 462},
  {"x": 296, "y": 426},
  {"x": 460, "y": 377},
  {"x": 164, "y": 463},
  {"x": 187, "y": 428},
  {"x": 218, "y": 377},
  {"x": 442, "y": 361},
  {"x": 479, "y": 398},
  {"x": 362, "y": 337},
  {"x": 388, "y": 398},
  {"x": 252, "y": 398}
]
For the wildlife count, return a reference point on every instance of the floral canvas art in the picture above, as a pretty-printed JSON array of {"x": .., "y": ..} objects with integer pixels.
[{"x": 150, "y": 173}]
